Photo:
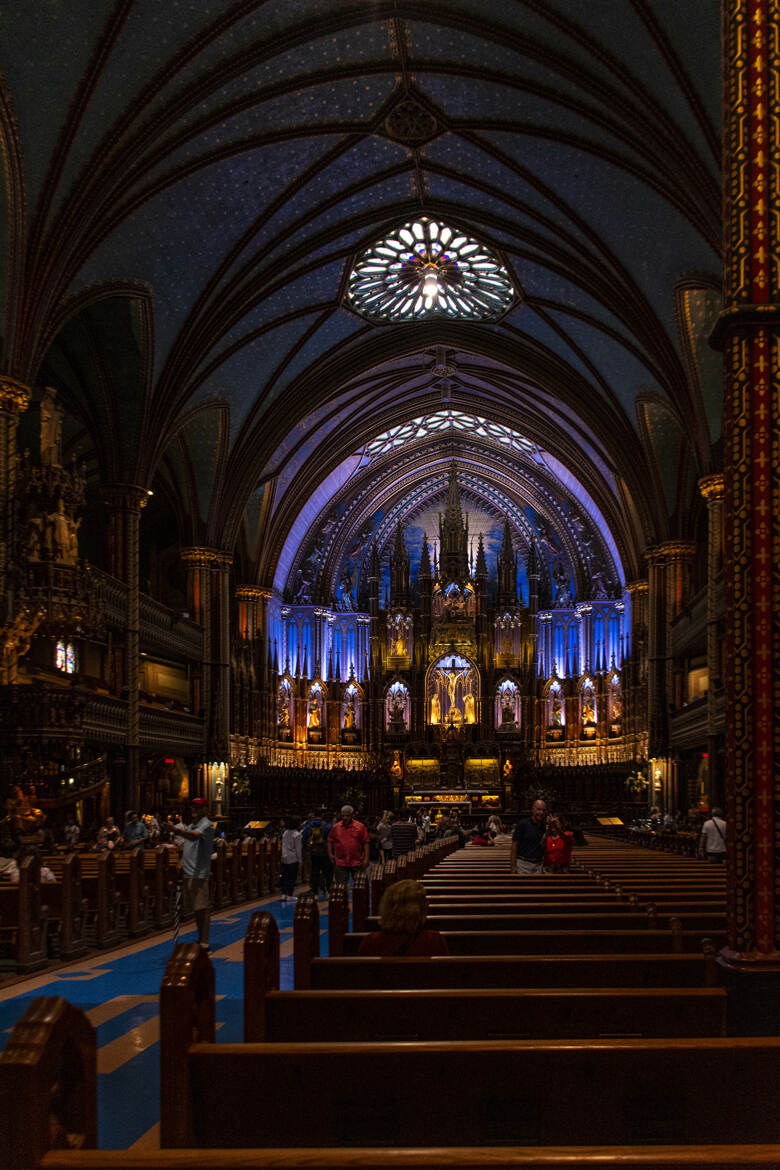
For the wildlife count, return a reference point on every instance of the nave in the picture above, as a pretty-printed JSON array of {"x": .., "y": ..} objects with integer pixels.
[{"x": 555, "y": 1067}]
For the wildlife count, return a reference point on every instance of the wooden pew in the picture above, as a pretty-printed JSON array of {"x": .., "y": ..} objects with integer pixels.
[
  {"x": 135, "y": 900},
  {"x": 99, "y": 887},
  {"x": 491, "y": 1014},
  {"x": 66, "y": 906},
  {"x": 657, "y": 1157},
  {"x": 249, "y": 872},
  {"x": 616, "y": 1091},
  {"x": 24, "y": 920},
  {"x": 541, "y": 970},
  {"x": 466, "y": 1013},
  {"x": 160, "y": 876},
  {"x": 560, "y": 942}
]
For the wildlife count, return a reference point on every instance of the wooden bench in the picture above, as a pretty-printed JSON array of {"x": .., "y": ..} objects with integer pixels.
[
  {"x": 468, "y": 1014},
  {"x": 615, "y": 1091},
  {"x": 160, "y": 875},
  {"x": 98, "y": 884},
  {"x": 135, "y": 902},
  {"x": 23, "y": 920},
  {"x": 560, "y": 942},
  {"x": 66, "y": 906},
  {"x": 658, "y": 1157}
]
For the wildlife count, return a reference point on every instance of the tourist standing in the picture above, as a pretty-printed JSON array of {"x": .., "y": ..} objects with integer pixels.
[
  {"x": 348, "y": 846},
  {"x": 198, "y": 839},
  {"x": 292, "y": 855},
  {"x": 712, "y": 842},
  {"x": 528, "y": 841},
  {"x": 315, "y": 837}
]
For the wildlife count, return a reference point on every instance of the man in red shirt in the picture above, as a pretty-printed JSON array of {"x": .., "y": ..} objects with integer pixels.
[{"x": 348, "y": 846}]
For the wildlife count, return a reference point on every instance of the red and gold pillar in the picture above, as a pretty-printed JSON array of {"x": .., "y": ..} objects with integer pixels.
[
  {"x": 712, "y": 489},
  {"x": 14, "y": 399},
  {"x": 748, "y": 333}
]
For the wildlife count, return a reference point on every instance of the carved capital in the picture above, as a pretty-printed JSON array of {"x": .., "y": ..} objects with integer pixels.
[
  {"x": 14, "y": 395},
  {"x": 200, "y": 557},
  {"x": 127, "y": 497},
  {"x": 670, "y": 551},
  {"x": 713, "y": 487},
  {"x": 252, "y": 593}
]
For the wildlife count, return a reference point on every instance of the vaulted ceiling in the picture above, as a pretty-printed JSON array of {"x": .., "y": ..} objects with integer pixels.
[{"x": 188, "y": 184}]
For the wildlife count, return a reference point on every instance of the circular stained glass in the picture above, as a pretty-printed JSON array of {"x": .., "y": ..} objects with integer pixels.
[{"x": 426, "y": 269}]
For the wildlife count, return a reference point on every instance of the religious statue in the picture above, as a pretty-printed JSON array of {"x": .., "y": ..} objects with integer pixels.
[
  {"x": 435, "y": 708},
  {"x": 508, "y": 769},
  {"x": 396, "y": 771},
  {"x": 284, "y": 711},
  {"x": 349, "y": 714},
  {"x": 314, "y": 712},
  {"x": 470, "y": 713},
  {"x": 397, "y": 719},
  {"x": 60, "y": 535},
  {"x": 507, "y": 708},
  {"x": 588, "y": 713},
  {"x": 51, "y": 429},
  {"x": 617, "y": 708},
  {"x": 25, "y": 818},
  {"x": 557, "y": 712},
  {"x": 400, "y": 645}
]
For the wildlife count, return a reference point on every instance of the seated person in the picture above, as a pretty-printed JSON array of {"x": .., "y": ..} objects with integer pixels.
[
  {"x": 402, "y": 913},
  {"x": 557, "y": 847},
  {"x": 481, "y": 837}
]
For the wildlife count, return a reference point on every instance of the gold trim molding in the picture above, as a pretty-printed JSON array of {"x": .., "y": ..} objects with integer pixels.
[
  {"x": 14, "y": 395},
  {"x": 713, "y": 487},
  {"x": 206, "y": 558}
]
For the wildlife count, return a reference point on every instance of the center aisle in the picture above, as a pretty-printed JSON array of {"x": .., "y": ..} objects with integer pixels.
[{"x": 119, "y": 992}]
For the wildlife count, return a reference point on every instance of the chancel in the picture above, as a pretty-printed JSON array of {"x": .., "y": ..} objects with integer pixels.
[{"x": 388, "y": 420}]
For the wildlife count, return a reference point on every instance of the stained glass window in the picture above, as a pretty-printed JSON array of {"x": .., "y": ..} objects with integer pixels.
[
  {"x": 427, "y": 269},
  {"x": 59, "y": 656},
  {"x": 70, "y": 659},
  {"x": 446, "y": 420}
]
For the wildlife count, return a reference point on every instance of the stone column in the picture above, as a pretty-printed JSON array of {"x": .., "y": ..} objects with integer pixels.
[
  {"x": 208, "y": 579},
  {"x": 124, "y": 503},
  {"x": 712, "y": 488},
  {"x": 656, "y": 654},
  {"x": 14, "y": 399},
  {"x": 748, "y": 332}
]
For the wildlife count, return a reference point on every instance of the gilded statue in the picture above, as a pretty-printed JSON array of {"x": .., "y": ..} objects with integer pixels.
[
  {"x": 25, "y": 817},
  {"x": 588, "y": 713},
  {"x": 51, "y": 429},
  {"x": 396, "y": 771},
  {"x": 349, "y": 714},
  {"x": 435, "y": 709},
  {"x": 557, "y": 712},
  {"x": 508, "y": 769},
  {"x": 284, "y": 713},
  {"x": 469, "y": 708},
  {"x": 315, "y": 712}
]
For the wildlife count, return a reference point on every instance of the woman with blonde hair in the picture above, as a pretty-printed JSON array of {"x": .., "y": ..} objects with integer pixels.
[{"x": 402, "y": 914}]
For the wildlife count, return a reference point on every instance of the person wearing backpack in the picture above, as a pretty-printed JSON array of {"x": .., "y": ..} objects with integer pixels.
[{"x": 315, "y": 838}]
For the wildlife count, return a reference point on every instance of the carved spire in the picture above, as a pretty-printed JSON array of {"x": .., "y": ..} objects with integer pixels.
[
  {"x": 425, "y": 560},
  {"x": 453, "y": 535},
  {"x": 481, "y": 570},
  {"x": 399, "y": 570},
  {"x": 507, "y": 571}
]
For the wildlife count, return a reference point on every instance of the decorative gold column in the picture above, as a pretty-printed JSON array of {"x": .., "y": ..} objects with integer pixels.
[
  {"x": 635, "y": 692},
  {"x": 748, "y": 333},
  {"x": 14, "y": 399},
  {"x": 208, "y": 573},
  {"x": 124, "y": 503},
  {"x": 712, "y": 489},
  {"x": 656, "y": 653}
]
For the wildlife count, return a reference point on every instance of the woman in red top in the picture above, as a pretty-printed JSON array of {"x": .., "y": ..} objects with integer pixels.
[
  {"x": 402, "y": 913},
  {"x": 557, "y": 847}
]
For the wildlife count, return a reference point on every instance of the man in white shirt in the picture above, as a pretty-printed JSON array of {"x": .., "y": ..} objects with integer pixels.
[
  {"x": 198, "y": 839},
  {"x": 712, "y": 843}
]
